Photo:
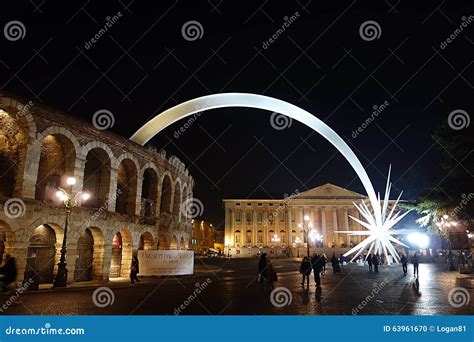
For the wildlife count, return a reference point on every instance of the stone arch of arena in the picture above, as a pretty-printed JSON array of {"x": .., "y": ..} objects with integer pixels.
[{"x": 136, "y": 193}]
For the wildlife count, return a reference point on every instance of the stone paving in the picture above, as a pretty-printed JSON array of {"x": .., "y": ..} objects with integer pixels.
[{"x": 232, "y": 290}]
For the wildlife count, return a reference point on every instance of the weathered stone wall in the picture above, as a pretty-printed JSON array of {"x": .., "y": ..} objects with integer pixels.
[{"x": 46, "y": 141}]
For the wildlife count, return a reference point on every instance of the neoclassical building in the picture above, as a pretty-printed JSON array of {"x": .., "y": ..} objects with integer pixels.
[
  {"x": 136, "y": 194},
  {"x": 273, "y": 226}
]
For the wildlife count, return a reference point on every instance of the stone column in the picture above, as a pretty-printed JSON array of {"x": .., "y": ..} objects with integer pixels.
[
  {"x": 346, "y": 226},
  {"x": 254, "y": 226},
  {"x": 323, "y": 225},
  {"x": 288, "y": 226},
  {"x": 335, "y": 225},
  {"x": 112, "y": 198},
  {"x": 138, "y": 198}
]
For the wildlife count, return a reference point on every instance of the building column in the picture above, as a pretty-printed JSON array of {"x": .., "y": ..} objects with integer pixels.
[
  {"x": 334, "y": 224},
  {"x": 323, "y": 225},
  {"x": 287, "y": 215},
  {"x": 346, "y": 226},
  {"x": 254, "y": 227}
]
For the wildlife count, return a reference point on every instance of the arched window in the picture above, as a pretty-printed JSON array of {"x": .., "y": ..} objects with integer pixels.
[
  {"x": 248, "y": 236},
  {"x": 126, "y": 187},
  {"x": 237, "y": 237},
  {"x": 165, "y": 206},
  {"x": 97, "y": 177},
  {"x": 57, "y": 158},
  {"x": 149, "y": 196}
]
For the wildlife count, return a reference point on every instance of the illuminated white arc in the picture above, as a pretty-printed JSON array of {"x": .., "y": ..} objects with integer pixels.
[{"x": 170, "y": 116}]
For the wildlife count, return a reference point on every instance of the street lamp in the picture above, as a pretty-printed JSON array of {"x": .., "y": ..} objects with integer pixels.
[
  {"x": 444, "y": 224},
  {"x": 308, "y": 231},
  {"x": 297, "y": 242},
  {"x": 70, "y": 202}
]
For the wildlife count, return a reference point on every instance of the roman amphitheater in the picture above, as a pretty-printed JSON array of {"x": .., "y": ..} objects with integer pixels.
[{"x": 136, "y": 195}]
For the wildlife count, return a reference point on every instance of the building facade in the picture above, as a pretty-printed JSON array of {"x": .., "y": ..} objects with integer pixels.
[
  {"x": 206, "y": 238},
  {"x": 273, "y": 226},
  {"x": 136, "y": 195}
]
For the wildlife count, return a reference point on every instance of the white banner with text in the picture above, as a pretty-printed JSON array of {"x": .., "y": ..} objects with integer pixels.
[{"x": 165, "y": 262}]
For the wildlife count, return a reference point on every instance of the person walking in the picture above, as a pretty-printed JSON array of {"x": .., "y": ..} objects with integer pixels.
[
  {"x": 262, "y": 270},
  {"x": 404, "y": 261},
  {"x": 317, "y": 265},
  {"x": 334, "y": 263},
  {"x": 271, "y": 275},
  {"x": 369, "y": 261},
  {"x": 382, "y": 259},
  {"x": 342, "y": 260},
  {"x": 8, "y": 273},
  {"x": 323, "y": 261},
  {"x": 134, "y": 269},
  {"x": 416, "y": 263},
  {"x": 305, "y": 270},
  {"x": 375, "y": 261}
]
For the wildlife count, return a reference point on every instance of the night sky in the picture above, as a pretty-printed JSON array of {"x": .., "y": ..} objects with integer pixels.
[{"x": 143, "y": 65}]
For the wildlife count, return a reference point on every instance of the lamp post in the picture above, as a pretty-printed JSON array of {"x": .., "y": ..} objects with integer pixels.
[
  {"x": 308, "y": 231},
  {"x": 297, "y": 242},
  {"x": 444, "y": 224},
  {"x": 70, "y": 202}
]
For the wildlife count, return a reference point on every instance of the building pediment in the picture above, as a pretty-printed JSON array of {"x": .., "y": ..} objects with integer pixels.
[{"x": 330, "y": 191}]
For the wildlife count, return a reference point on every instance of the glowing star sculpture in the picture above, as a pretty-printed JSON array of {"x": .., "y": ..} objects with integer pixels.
[{"x": 379, "y": 224}]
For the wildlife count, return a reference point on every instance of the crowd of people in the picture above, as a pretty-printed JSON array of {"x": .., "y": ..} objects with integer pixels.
[{"x": 316, "y": 264}]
